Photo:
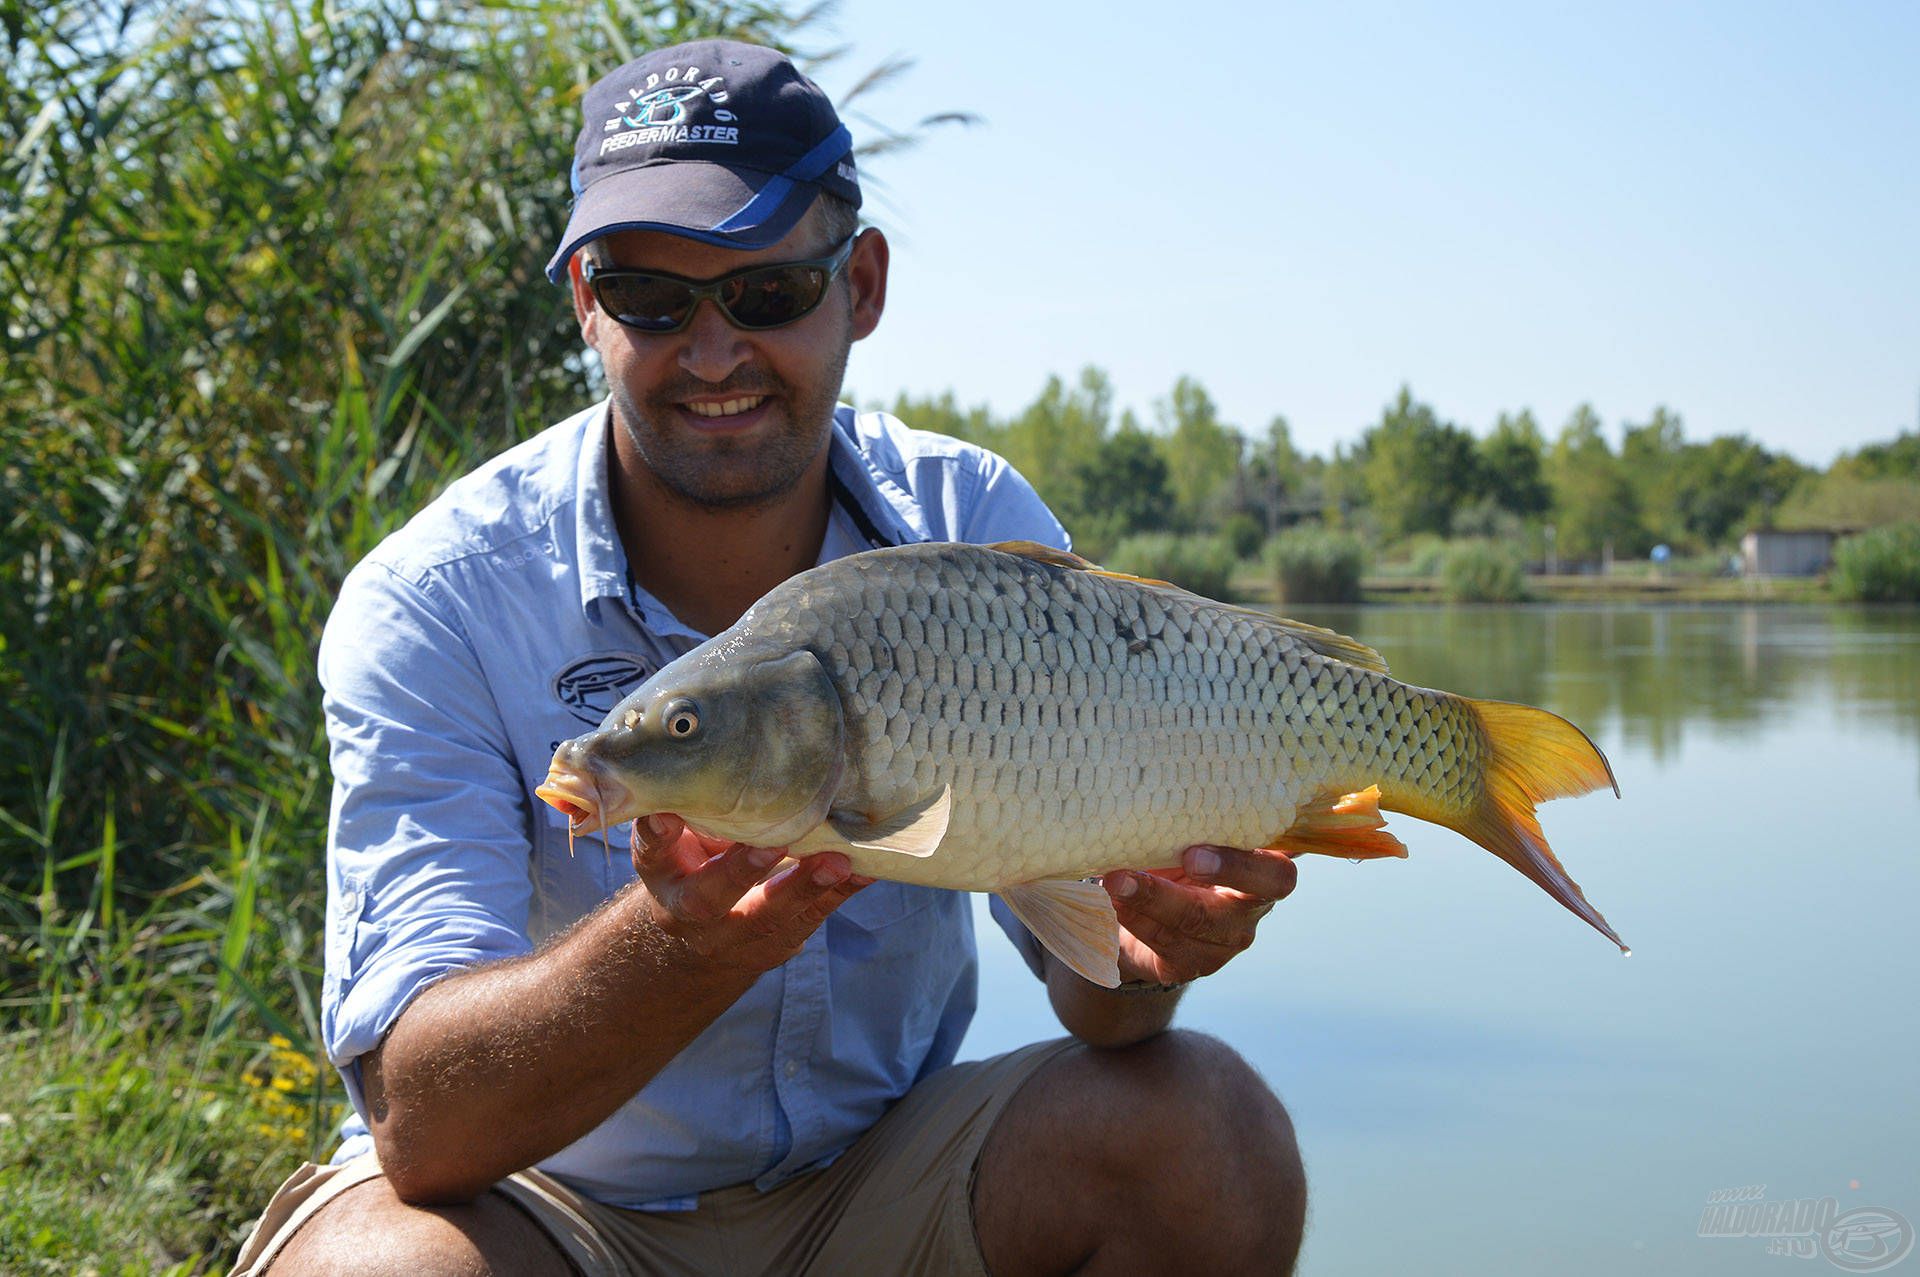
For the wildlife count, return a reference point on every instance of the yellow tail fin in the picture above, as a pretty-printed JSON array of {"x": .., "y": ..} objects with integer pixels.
[{"x": 1535, "y": 756}]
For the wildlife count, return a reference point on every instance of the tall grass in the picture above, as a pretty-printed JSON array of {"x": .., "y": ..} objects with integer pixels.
[
  {"x": 1482, "y": 572},
  {"x": 1881, "y": 566},
  {"x": 1203, "y": 564},
  {"x": 1312, "y": 565},
  {"x": 270, "y": 275}
]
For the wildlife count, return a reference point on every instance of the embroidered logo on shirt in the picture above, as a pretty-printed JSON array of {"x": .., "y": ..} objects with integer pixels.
[{"x": 593, "y": 685}]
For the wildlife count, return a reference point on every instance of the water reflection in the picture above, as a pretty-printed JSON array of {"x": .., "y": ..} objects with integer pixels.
[
  {"x": 1482, "y": 1085},
  {"x": 1646, "y": 674}
]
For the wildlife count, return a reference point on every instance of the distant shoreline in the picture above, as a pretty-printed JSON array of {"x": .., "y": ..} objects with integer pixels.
[
  {"x": 1625, "y": 588},
  {"x": 1621, "y": 588}
]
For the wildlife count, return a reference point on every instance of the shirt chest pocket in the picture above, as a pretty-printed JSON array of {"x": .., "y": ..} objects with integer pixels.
[
  {"x": 883, "y": 909},
  {"x": 899, "y": 954},
  {"x": 574, "y": 875}
]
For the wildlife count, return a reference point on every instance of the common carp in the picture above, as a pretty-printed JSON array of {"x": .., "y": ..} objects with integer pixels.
[{"x": 1015, "y": 719}]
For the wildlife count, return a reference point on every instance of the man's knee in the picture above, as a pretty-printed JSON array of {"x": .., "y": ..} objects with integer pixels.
[
  {"x": 369, "y": 1230},
  {"x": 1180, "y": 1149},
  {"x": 1190, "y": 1100}
]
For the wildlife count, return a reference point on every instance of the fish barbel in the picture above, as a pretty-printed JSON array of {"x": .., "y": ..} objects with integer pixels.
[{"x": 1014, "y": 719}]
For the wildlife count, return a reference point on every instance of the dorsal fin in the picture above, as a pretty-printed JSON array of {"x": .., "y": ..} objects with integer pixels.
[
  {"x": 1315, "y": 638},
  {"x": 1072, "y": 562},
  {"x": 1042, "y": 554}
]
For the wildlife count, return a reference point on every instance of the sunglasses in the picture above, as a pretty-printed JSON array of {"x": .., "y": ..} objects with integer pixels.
[{"x": 756, "y": 298}]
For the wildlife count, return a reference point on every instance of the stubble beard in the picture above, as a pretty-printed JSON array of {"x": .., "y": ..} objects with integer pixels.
[{"x": 733, "y": 474}]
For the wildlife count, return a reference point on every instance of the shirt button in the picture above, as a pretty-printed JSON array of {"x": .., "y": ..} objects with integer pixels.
[
  {"x": 792, "y": 1067},
  {"x": 349, "y": 901}
]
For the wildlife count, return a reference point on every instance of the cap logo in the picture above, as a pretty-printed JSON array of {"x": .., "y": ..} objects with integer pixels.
[
  {"x": 656, "y": 112},
  {"x": 662, "y": 106}
]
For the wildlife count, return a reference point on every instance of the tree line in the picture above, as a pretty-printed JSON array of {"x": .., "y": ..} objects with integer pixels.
[{"x": 1574, "y": 494}]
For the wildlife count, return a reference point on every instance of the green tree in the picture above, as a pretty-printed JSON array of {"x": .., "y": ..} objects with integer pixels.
[
  {"x": 1896, "y": 459},
  {"x": 1513, "y": 467},
  {"x": 1278, "y": 478},
  {"x": 1343, "y": 489},
  {"x": 1726, "y": 482},
  {"x": 1651, "y": 457},
  {"x": 1418, "y": 469},
  {"x": 1125, "y": 488},
  {"x": 1594, "y": 504},
  {"x": 1841, "y": 501},
  {"x": 1203, "y": 453},
  {"x": 1057, "y": 435}
]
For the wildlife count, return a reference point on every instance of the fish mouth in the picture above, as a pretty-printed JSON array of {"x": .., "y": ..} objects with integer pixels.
[{"x": 582, "y": 798}]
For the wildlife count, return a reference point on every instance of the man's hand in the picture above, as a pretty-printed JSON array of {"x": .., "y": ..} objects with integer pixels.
[
  {"x": 1175, "y": 925},
  {"x": 717, "y": 899},
  {"x": 1180, "y": 924}
]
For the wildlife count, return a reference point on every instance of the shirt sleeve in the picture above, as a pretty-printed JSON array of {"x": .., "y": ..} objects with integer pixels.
[
  {"x": 1004, "y": 507},
  {"x": 429, "y": 845}
]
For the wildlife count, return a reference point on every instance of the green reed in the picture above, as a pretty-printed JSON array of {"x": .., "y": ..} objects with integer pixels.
[{"x": 271, "y": 274}]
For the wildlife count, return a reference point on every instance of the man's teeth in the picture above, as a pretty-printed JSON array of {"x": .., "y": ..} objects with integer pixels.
[{"x": 727, "y": 408}]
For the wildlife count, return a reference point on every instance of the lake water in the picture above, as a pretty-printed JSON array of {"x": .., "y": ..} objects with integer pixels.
[{"x": 1482, "y": 1084}]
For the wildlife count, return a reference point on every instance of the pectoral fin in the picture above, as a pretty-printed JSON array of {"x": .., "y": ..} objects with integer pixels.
[
  {"x": 1074, "y": 920},
  {"x": 1347, "y": 825},
  {"x": 911, "y": 831}
]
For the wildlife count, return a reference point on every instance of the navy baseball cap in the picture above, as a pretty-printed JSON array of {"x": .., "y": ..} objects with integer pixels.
[{"x": 716, "y": 140}]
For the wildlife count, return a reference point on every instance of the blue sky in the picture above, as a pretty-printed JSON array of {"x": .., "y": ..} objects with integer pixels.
[{"x": 1712, "y": 207}]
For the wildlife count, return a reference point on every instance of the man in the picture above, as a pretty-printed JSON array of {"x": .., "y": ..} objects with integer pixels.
[{"x": 716, "y": 1066}]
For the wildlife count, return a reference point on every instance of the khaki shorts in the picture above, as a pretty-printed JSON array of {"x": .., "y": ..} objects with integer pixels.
[{"x": 900, "y": 1200}]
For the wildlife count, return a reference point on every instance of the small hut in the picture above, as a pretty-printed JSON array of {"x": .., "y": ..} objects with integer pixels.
[{"x": 1804, "y": 552}]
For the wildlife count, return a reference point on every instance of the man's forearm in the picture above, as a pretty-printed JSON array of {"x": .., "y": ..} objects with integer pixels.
[
  {"x": 491, "y": 1071},
  {"x": 1107, "y": 1017}
]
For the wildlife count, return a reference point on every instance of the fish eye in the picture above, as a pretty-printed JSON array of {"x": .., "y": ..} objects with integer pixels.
[{"x": 682, "y": 719}]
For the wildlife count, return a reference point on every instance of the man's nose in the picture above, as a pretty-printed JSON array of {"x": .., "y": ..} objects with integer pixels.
[{"x": 713, "y": 348}]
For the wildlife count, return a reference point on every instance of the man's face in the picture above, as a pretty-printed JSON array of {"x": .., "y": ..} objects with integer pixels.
[{"x": 721, "y": 416}]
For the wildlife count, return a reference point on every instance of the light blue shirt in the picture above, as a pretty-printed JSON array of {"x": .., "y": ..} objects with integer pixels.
[{"x": 502, "y": 620}]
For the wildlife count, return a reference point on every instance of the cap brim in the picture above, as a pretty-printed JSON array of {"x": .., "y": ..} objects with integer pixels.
[{"x": 735, "y": 208}]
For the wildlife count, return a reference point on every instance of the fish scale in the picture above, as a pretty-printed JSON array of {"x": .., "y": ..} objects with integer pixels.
[
  {"x": 1004, "y": 719},
  {"x": 1191, "y": 696}
]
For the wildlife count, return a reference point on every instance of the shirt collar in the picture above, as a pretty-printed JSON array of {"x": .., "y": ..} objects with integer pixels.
[
  {"x": 603, "y": 563},
  {"x": 894, "y": 511}
]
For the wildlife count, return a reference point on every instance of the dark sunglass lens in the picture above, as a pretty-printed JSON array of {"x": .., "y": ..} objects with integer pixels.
[
  {"x": 774, "y": 296},
  {"x": 644, "y": 301}
]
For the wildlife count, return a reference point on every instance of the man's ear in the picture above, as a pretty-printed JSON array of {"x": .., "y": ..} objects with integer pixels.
[
  {"x": 585, "y": 309},
  {"x": 867, "y": 278}
]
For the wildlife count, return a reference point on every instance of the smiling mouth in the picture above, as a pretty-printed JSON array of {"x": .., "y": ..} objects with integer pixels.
[{"x": 726, "y": 407}]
